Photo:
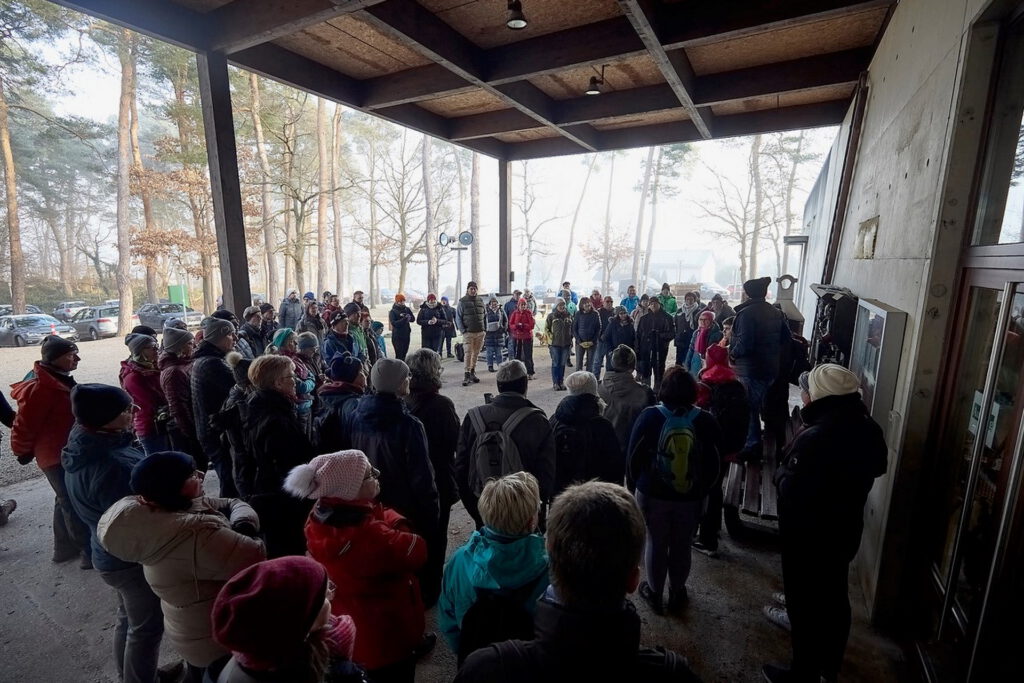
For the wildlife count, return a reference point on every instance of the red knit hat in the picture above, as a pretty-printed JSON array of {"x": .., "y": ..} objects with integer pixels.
[
  {"x": 717, "y": 369},
  {"x": 264, "y": 613}
]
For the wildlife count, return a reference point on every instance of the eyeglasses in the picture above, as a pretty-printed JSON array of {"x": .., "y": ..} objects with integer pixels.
[
  {"x": 374, "y": 473},
  {"x": 199, "y": 474},
  {"x": 332, "y": 589}
]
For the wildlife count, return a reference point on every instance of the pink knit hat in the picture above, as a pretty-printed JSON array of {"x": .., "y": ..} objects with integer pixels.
[{"x": 332, "y": 475}]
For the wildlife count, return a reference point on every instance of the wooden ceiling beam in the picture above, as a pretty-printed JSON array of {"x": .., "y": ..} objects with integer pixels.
[
  {"x": 413, "y": 85},
  {"x": 156, "y": 18},
  {"x": 674, "y": 66},
  {"x": 246, "y": 23},
  {"x": 490, "y": 123},
  {"x": 787, "y": 118},
  {"x": 414, "y": 25}
]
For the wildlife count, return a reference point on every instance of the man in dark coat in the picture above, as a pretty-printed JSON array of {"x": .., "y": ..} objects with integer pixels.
[
  {"x": 401, "y": 319},
  {"x": 585, "y": 629},
  {"x": 720, "y": 308},
  {"x": 586, "y": 330},
  {"x": 758, "y": 335},
  {"x": 533, "y": 437},
  {"x": 654, "y": 332},
  {"x": 826, "y": 475},
  {"x": 212, "y": 381},
  {"x": 469, "y": 316},
  {"x": 586, "y": 446}
]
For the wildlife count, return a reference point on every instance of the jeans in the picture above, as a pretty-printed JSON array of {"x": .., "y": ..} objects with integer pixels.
[
  {"x": 154, "y": 443},
  {"x": 524, "y": 352},
  {"x": 585, "y": 357},
  {"x": 711, "y": 521},
  {"x": 818, "y": 604},
  {"x": 670, "y": 526},
  {"x": 474, "y": 342},
  {"x": 447, "y": 343},
  {"x": 493, "y": 356},
  {"x": 559, "y": 355},
  {"x": 70, "y": 534},
  {"x": 140, "y": 625},
  {"x": 757, "y": 391},
  {"x": 600, "y": 359},
  {"x": 511, "y": 346}
]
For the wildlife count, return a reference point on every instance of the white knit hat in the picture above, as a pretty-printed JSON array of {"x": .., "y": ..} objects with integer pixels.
[
  {"x": 581, "y": 382},
  {"x": 829, "y": 379},
  {"x": 332, "y": 475}
]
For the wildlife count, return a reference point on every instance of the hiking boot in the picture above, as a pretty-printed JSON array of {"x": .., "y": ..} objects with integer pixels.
[
  {"x": 85, "y": 560},
  {"x": 705, "y": 549},
  {"x": 171, "y": 673},
  {"x": 654, "y": 601},
  {"x": 450, "y": 355},
  {"x": 779, "y": 597},
  {"x": 467, "y": 380},
  {"x": 473, "y": 378},
  {"x": 778, "y": 616},
  {"x": 490, "y": 368},
  {"x": 677, "y": 600},
  {"x": 531, "y": 377},
  {"x": 425, "y": 646},
  {"x": 6, "y": 508},
  {"x": 554, "y": 387},
  {"x": 61, "y": 556},
  {"x": 561, "y": 387}
]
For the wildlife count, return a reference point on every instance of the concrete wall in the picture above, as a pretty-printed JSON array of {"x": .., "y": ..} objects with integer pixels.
[{"x": 903, "y": 176}]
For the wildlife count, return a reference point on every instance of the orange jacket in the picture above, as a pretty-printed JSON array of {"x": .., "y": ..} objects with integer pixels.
[{"x": 44, "y": 418}]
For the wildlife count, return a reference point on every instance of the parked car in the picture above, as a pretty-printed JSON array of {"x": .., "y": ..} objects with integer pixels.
[
  {"x": 97, "y": 322},
  {"x": 22, "y": 330},
  {"x": 7, "y": 309},
  {"x": 66, "y": 309},
  {"x": 157, "y": 315}
]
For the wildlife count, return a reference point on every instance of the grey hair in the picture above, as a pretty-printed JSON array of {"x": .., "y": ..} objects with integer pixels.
[
  {"x": 425, "y": 366},
  {"x": 510, "y": 371}
]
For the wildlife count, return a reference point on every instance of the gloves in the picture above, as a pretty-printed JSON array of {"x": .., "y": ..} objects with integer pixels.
[
  {"x": 25, "y": 459},
  {"x": 245, "y": 528}
]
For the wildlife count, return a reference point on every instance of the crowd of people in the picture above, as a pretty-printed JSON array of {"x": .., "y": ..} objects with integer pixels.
[{"x": 339, "y": 464}]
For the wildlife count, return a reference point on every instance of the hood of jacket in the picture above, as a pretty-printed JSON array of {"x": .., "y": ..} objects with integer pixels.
[
  {"x": 576, "y": 409},
  {"x": 498, "y": 560},
  {"x": 377, "y": 407},
  {"x": 208, "y": 350},
  {"x": 43, "y": 377},
  {"x": 86, "y": 447},
  {"x": 137, "y": 532},
  {"x": 620, "y": 384},
  {"x": 170, "y": 360}
]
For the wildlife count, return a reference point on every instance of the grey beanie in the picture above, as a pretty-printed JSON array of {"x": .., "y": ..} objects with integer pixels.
[
  {"x": 623, "y": 358},
  {"x": 215, "y": 329},
  {"x": 388, "y": 374},
  {"x": 137, "y": 342},
  {"x": 175, "y": 340}
]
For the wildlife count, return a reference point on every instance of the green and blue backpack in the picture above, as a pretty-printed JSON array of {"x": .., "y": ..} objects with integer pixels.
[{"x": 677, "y": 464}]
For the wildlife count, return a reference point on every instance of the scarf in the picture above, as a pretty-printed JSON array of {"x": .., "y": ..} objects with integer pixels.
[
  {"x": 701, "y": 344},
  {"x": 688, "y": 311}
]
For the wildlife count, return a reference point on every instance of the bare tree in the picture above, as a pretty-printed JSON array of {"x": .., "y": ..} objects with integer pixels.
[
  {"x": 575, "y": 217},
  {"x": 429, "y": 237},
  {"x": 532, "y": 246},
  {"x": 337, "y": 147},
  {"x": 474, "y": 217},
  {"x": 732, "y": 207},
  {"x": 644, "y": 188},
  {"x": 270, "y": 246},
  {"x": 126, "y": 53}
]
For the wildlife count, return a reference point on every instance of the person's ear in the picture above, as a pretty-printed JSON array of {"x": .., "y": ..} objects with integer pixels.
[{"x": 634, "y": 580}]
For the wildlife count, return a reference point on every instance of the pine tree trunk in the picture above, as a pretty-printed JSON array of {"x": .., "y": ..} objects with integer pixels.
[
  {"x": 755, "y": 170},
  {"x": 635, "y": 274},
  {"x": 13, "y": 221},
  {"x": 322, "y": 245},
  {"x": 474, "y": 220},
  {"x": 126, "y": 56},
  {"x": 429, "y": 239},
  {"x": 654, "y": 219},
  {"x": 267, "y": 208},
  {"x": 336, "y": 148},
  {"x": 575, "y": 216},
  {"x": 289, "y": 234},
  {"x": 607, "y": 241}
]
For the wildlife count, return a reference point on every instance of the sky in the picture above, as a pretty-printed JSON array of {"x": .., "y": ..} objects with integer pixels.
[{"x": 94, "y": 90}]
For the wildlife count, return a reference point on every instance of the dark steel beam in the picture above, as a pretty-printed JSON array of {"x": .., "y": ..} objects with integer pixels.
[
  {"x": 490, "y": 123},
  {"x": 245, "y": 23},
  {"x": 674, "y": 66},
  {"x": 413, "y": 85},
  {"x": 787, "y": 118},
  {"x": 156, "y": 18},
  {"x": 505, "y": 275}
]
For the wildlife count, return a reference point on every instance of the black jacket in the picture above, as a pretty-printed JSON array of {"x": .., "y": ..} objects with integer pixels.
[
  {"x": 586, "y": 327},
  {"x": 760, "y": 335},
  {"x": 337, "y": 401},
  {"x": 400, "y": 317},
  {"x": 441, "y": 422},
  {"x": 432, "y": 333},
  {"x": 449, "y": 316},
  {"x": 212, "y": 380},
  {"x": 276, "y": 442},
  {"x": 606, "y": 316},
  {"x": 826, "y": 474},
  {"x": 230, "y": 421},
  {"x": 254, "y": 337},
  {"x": 577, "y": 645},
  {"x": 618, "y": 333},
  {"x": 382, "y": 427},
  {"x": 654, "y": 327},
  {"x": 586, "y": 446}
]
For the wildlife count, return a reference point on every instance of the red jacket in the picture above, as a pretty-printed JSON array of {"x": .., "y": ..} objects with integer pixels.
[
  {"x": 143, "y": 385},
  {"x": 520, "y": 324},
  {"x": 176, "y": 384},
  {"x": 44, "y": 418},
  {"x": 372, "y": 557}
]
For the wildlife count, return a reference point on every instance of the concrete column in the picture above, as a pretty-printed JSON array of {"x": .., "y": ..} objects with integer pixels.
[
  {"x": 505, "y": 275},
  {"x": 215, "y": 91}
]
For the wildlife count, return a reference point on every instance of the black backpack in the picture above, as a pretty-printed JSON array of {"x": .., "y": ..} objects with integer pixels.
[{"x": 497, "y": 615}]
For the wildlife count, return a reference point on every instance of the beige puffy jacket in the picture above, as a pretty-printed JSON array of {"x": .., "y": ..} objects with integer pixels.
[{"x": 187, "y": 556}]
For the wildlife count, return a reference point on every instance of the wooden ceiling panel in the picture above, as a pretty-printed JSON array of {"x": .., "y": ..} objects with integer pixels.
[
  {"x": 806, "y": 40},
  {"x": 651, "y": 118},
  {"x": 464, "y": 104},
  {"x": 625, "y": 74},
  {"x": 527, "y": 135},
  {"x": 353, "y": 47},
  {"x": 809, "y": 96},
  {"x": 483, "y": 21},
  {"x": 203, "y": 6}
]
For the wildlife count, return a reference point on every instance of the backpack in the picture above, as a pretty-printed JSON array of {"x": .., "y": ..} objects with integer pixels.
[
  {"x": 677, "y": 464},
  {"x": 460, "y": 352},
  {"x": 495, "y": 454},
  {"x": 573, "y": 453},
  {"x": 496, "y": 616}
]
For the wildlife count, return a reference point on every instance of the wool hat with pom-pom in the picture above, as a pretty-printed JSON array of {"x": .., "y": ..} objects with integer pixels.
[
  {"x": 239, "y": 367},
  {"x": 333, "y": 475}
]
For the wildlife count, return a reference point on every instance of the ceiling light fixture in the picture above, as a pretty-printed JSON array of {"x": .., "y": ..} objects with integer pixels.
[
  {"x": 515, "y": 20},
  {"x": 596, "y": 83}
]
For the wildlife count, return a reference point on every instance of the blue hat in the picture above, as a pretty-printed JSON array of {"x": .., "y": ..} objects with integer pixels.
[
  {"x": 344, "y": 367},
  {"x": 95, "y": 405},
  {"x": 309, "y": 295}
]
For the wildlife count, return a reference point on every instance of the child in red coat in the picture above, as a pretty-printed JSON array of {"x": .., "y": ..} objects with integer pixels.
[{"x": 372, "y": 558}]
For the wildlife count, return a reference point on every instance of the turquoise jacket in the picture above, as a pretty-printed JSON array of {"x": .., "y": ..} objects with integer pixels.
[{"x": 492, "y": 561}]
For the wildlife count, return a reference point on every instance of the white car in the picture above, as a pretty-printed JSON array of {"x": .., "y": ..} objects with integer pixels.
[
  {"x": 96, "y": 322},
  {"x": 66, "y": 309}
]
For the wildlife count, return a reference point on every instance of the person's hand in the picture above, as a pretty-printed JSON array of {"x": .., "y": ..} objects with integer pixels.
[
  {"x": 25, "y": 459},
  {"x": 246, "y": 528}
]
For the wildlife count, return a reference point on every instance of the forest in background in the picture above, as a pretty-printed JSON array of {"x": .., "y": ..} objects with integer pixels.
[{"x": 122, "y": 208}]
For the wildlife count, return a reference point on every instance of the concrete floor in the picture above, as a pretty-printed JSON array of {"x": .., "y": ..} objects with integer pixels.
[{"x": 57, "y": 619}]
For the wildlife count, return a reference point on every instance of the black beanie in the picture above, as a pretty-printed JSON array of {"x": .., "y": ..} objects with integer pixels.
[
  {"x": 352, "y": 307},
  {"x": 141, "y": 329},
  {"x": 95, "y": 405},
  {"x": 344, "y": 367},
  {"x": 757, "y": 289},
  {"x": 159, "y": 478},
  {"x": 53, "y": 347}
]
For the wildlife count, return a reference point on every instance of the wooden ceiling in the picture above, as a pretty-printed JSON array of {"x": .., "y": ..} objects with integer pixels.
[{"x": 674, "y": 70}]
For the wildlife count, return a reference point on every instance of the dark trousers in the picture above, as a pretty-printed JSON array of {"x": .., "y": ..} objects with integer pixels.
[
  {"x": 437, "y": 547},
  {"x": 140, "y": 625},
  {"x": 668, "y": 550},
  {"x": 402, "y": 672},
  {"x": 70, "y": 534},
  {"x": 221, "y": 462},
  {"x": 651, "y": 364},
  {"x": 524, "y": 352},
  {"x": 401, "y": 345},
  {"x": 448, "y": 344},
  {"x": 757, "y": 391},
  {"x": 818, "y": 603},
  {"x": 711, "y": 520}
]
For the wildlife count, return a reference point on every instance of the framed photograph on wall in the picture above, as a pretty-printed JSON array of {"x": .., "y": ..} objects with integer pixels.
[{"x": 875, "y": 354}]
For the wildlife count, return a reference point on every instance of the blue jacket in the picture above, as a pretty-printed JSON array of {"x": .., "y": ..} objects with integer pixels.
[
  {"x": 643, "y": 449},
  {"x": 760, "y": 337},
  {"x": 630, "y": 302},
  {"x": 335, "y": 344},
  {"x": 586, "y": 327},
  {"x": 618, "y": 333},
  {"x": 98, "y": 471},
  {"x": 491, "y": 561},
  {"x": 694, "y": 361}
]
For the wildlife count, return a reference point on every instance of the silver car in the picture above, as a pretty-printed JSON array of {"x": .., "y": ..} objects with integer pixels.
[
  {"x": 157, "y": 315},
  {"x": 65, "y": 309},
  {"x": 22, "y": 330},
  {"x": 97, "y": 322}
]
